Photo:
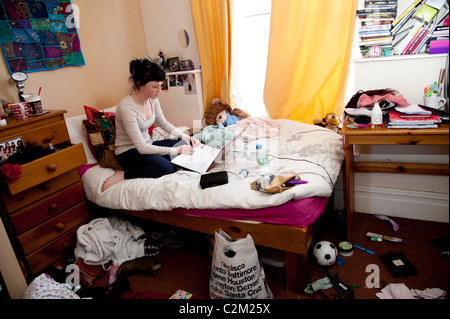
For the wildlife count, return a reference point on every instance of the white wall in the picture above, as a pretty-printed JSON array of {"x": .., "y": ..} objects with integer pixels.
[{"x": 163, "y": 20}]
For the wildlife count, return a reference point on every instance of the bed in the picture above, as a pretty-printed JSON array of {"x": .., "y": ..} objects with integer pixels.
[{"x": 285, "y": 221}]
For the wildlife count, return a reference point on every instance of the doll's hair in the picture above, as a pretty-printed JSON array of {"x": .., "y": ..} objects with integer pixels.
[
  {"x": 216, "y": 107},
  {"x": 144, "y": 71}
]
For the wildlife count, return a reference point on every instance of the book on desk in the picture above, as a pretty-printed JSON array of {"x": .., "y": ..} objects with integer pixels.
[{"x": 413, "y": 116}]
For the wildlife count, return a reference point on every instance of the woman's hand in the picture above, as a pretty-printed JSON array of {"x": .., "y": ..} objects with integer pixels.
[
  {"x": 185, "y": 149},
  {"x": 193, "y": 141}
]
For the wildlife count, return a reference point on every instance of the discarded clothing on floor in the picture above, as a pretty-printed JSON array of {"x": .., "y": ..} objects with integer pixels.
[
  {"x": 401, "y": 291},
  {"x": 109, "y": 239},
  {"x": 323, "y": 283},
  {"x": 45, "y": 287}
]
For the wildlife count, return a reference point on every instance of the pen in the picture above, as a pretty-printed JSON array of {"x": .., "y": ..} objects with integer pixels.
[
  {"x": 364, "y": 249},
  {"x": 296, "y": 181}
]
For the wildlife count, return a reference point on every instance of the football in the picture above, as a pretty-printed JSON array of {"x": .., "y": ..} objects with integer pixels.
[{"x": 325, "y": 253}]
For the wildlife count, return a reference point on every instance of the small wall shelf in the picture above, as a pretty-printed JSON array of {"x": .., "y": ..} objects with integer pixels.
[{"x": 184, "y": 72}]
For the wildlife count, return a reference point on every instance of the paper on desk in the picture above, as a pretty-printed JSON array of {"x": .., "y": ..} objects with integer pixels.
[
  {"x": 412, "y": 109},
  {"x": 359, "y": 111}
]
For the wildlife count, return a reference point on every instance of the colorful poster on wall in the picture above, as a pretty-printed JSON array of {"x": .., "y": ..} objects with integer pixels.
[{"x": 39, "y": 35}]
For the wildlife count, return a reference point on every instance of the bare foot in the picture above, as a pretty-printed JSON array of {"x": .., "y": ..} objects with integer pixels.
[{"x": 112, "y": 180}]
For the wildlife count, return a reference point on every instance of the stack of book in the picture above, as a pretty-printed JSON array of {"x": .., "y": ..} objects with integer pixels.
[
  {"x": 412, "y": 116},
  {"x": 414, "y": 27},
  {"x": 439, "y": 40},
  {"x": 88, "y": 273},
  {"x": 375, "y": 30}
]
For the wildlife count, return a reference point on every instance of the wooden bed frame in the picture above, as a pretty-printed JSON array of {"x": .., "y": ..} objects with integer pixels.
[{"x": 294, "y": 241}]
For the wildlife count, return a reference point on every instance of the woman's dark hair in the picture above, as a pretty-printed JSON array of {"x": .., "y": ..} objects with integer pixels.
[{"x": 144, "y": 71}]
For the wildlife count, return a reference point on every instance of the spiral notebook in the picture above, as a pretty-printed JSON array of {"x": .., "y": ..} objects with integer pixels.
[{"x": 204, "y": 157}]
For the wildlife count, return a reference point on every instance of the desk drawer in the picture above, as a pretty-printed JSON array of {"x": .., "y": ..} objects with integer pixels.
[
  {"x": 54, "y": 133},
  {"x": 45, "y": 256},
  {"x": 18, "y": 201},
  {"x": 46, "y": 208},
  {"x": 53, "y": 228},
  {"x": 48, "y": 167}
]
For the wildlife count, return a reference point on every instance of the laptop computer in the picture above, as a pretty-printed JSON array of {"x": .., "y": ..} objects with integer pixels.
[{"x": 204, "y": 157}]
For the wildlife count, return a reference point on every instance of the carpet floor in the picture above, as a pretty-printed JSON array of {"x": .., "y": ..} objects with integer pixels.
[{"x": 188, "y": 267}]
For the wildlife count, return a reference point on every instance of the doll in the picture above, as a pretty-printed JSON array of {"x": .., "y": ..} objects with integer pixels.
[{"x": 219, "y": 112}]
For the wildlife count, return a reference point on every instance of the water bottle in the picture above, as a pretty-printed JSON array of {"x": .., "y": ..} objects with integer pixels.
[
  {"x": 263, "y": 161},
  {"x": 377, "y": 115}
]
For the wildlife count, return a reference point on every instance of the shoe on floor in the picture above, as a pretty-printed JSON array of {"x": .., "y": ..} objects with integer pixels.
[
  {"x": 171, "y": 239},
  {"x": 142, "y": 265}
]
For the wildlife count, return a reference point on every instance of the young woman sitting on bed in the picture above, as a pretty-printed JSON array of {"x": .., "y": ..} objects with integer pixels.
[{"x": 135, "y": 152}]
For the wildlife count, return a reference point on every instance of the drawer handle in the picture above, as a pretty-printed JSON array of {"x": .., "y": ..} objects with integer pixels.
[
  {"x": 48, "y": 139},
  {"x": 53, "y": 207},
  {"x": 32, "y": 142},
  {"x": 46, "y": 186},
  {"x": 51, "y": 167},
  {"x": 59, "y": 226}
]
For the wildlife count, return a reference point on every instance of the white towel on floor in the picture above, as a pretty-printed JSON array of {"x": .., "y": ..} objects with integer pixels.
[{"x": 109, "y": 239}]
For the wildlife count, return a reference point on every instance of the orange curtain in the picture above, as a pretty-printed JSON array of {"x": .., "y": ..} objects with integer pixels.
[
  {"x": 212, "y": 24},
  {"x": 308, "y": 58}
]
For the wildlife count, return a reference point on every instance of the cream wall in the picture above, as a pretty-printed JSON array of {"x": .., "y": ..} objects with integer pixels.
[
  {"x": 111, "y": 34},
  {"x": 9, "y": 267},
  {"x": 162, "y": 22}
]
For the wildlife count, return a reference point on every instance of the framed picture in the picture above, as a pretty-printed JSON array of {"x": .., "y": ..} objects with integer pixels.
[
  {"x": 173, "y": 64},
  {"x": 186, "y": 65},
  {"x": 9, "y": 148}
]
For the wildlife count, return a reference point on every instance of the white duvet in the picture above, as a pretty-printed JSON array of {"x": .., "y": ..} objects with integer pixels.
[{"x": 314, "y": 153}]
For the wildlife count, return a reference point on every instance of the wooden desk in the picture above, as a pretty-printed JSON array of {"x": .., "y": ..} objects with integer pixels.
[{"x": 384, "y": 136}]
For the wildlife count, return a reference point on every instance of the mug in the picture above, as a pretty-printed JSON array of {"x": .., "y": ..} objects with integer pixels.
[
  {"x": 20, "y": 111},
  {"x": 34, "y": 103},
  {"x": 435, "y": 102}
]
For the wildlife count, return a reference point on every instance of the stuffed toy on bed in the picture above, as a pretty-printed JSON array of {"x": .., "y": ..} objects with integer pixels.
[{"x": 222, "y": 113}]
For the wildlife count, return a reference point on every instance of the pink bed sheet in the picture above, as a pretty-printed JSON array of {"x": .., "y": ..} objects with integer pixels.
[
  {"x": 297, "y": 213},
  {"x": 83, "y": 168}
]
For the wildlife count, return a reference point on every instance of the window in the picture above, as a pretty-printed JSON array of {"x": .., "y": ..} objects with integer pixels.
[{"x": 251, "y": 27}]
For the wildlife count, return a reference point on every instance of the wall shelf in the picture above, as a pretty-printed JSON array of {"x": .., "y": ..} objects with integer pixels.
[
  {"x": 184, "y": 72},
  {"x": 400, "y": 57}
]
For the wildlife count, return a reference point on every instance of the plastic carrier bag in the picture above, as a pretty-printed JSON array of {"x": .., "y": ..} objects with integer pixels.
[
  {"x": 236, "y": 272},
  {"x": 274, "y": 184}
]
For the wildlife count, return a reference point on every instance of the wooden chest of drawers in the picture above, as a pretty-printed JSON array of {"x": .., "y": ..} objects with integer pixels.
[{"x": 43, "y": 208}]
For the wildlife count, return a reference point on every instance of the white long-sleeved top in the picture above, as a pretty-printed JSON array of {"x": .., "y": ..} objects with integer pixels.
[{"x": 132, "y": 128}]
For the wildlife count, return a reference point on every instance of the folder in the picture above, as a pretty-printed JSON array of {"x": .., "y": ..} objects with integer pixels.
[{"x": 425, "y": 13}]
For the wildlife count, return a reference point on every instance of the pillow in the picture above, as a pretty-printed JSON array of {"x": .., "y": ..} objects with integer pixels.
[
  {"x": 78, "y": 135},
  {"x": 102, "y": 135},
  {"x": 92, "y": 114}
]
